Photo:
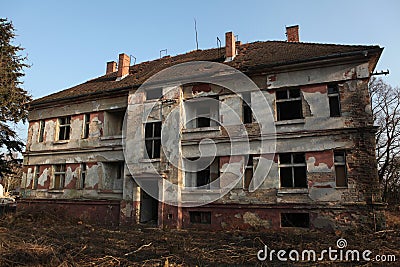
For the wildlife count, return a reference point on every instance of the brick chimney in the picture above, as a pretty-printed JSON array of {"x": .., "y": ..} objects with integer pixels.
[
  {"x": 230, "y": 46},
  {"x": 111, "y": 67},
  {"x": 123, "y": 65},
  {"x": 292, "y": 33}
]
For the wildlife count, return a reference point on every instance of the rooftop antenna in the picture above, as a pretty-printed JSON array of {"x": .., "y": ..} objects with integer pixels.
[
  {"x": 195, "y": 29},
  {"x": 219, "y": 46},
  {"x": 134, "y": 62},
  {"x": 163, "y": 50}
]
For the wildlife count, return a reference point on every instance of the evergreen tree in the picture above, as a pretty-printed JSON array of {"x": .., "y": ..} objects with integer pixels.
[{"x": 13, "y": 99}]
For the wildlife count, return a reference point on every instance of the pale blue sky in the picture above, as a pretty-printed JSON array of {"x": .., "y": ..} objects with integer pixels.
[{"x": 69, "y": 42}]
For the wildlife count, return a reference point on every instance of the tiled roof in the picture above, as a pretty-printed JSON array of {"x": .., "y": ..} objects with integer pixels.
[{"x": 250, "y": 56}]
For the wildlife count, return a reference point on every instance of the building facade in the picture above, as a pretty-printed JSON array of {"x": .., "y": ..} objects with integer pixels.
[{"x": 321, "y": 171}]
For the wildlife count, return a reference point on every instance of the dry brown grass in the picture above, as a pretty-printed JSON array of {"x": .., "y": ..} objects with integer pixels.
[{"x": 39, "y": 238}]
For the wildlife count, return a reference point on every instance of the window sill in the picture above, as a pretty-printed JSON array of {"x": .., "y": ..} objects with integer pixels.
[
  {"x": 293, "y": 191},
  {"x": 56, "y": 191},
  {"x": 111, "y": 137},
  {"x": 202, "y": 129},
  {"x": 60, "y": 142},
  {"x": 342, "y": 187},
  {"x": 289, "y": 122},
  {"x": 149, "y": 160}
]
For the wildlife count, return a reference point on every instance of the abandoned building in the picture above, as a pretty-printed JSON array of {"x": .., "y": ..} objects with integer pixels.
[{"x": 322, "y": 174}]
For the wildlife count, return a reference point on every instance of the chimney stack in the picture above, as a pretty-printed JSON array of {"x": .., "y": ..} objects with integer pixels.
[
  {"x": 111, "y": 67},
  {"x": 230, "y": 46},
  {"x": 123, "y": 65},
  {"x": 292, "y": 33}
]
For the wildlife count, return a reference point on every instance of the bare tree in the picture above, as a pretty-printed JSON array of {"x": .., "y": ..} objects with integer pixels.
[{"x": 385, "y": 101}]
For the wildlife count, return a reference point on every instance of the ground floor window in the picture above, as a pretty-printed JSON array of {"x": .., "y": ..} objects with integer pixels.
[
  {"x": 200, "y": 217},
  {"x": 295, "y": 220}
]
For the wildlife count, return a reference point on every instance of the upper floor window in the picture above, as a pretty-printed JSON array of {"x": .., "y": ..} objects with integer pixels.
[
  {"x": 114, "y": 121},
  {"x": 83, "y": 175},
  {"x": 293, "y": 170},
  {"x": 155, "y": 93},
  {"x": 334, "y": 100},
  {"x": 41, "y": 131},
  {"x": 59, "y": 176},
  {"x": 340, "y": 169},
  {"x": 246, "y": 107},
  {"x": 152, "y": 138},
  {"x": 288, "y": 104},
  {"x": 64, "y": 129},
  {"x": 203, "y": 172},
  {"x": 248, "y": 173},
  {"x": 86, "y": 124},
  {"x": 202, "y": 112},
  {"x": 36, "y": 176}
]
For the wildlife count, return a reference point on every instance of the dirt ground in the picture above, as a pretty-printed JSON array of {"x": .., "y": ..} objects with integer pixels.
[{"x": 44, "y": 239}]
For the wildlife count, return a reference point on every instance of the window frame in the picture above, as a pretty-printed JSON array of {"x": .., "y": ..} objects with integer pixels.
[
  {"x": 152, "y": 139},
  {"x": 64, "y": 128},
  {"x": 83, "y": 175},
  {"x": 342, "y": 164},
  {"x": 36, "y": 176},
  {"x": 154, "y": 93},
  {"x": 335, "y": 94},
  {"x": 247, "y": 112},
  {"x": 248, "y": 169},
  {"x": 292, "y": 165},
  {"x": 61, "y": 173},
  {"x": 86, "y": 126},
  {"x": 41, "y": 131},
  {"x": 204, "y": 216},
  {"x": 279, "y": 102}
]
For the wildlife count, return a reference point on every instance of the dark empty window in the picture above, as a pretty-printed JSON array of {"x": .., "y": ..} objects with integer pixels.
[
  {"x": 153, "y": 139},
  {"x": 203, "y": 177},
  {"x": 36, "y": 176},
  {"x": 295, "y": 220},
  {"x": 64, "y": 128},
  {"x": 200, "y": 217},
  {"x": 154, "y": 93},
  {"x": 288, "y": 104},
  {"x": 248, "y": 173},
  {"x": 203, "y": 122},
  {"x": 246, "y": 106},
  {"x": 41, "y": 130},
  {"x": 292, "y": 170},
  {"x": 340, "y": 169},
  {"x": 83, "y": 176},
  {"x": 86, "y": 124},
  {"x": 59, "y": 176},
  {"x": 334, "y": 100}
]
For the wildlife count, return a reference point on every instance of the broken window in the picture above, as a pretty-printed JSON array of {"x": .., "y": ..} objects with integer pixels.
[
  {"x": 334, "y": 100},
  {"x": 64, "y": 129},
  {"x": 59, "y": 176},
  {"x": 295, "y": 220},
  {"x": 340, "y": 169},
  {"x": 114, "y": 121},
  {"x": 246, "y": 107},
  {"x": 206, "y": 175},
  {"x": 155, "y": 93},
  {"x": 82, "y": 179},
  {"x": 120, "y": 170},
  {"x": 288, "y": 104},
  {"x": 153, "y": 139},
  {"x": 200, "y": 217},
  {"x": 36, "y": 176},
  {"x": 202, "y": 113},
  {"x": 248, "y": 173},
  {"x": 292, "y": 170},
  {"x": 86, "y": 124},
  {"x": 41, "y": 131}
]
